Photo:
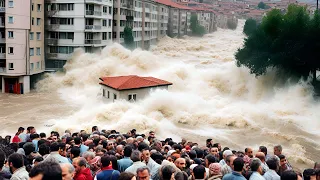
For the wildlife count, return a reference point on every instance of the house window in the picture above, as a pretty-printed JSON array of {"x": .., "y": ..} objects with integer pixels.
[
  {"x": 132, "y": 97},
  {"x": 10, "y": 19},
  {"x": 31, "y": 51},
  {"x": 11, "y": 66},
  {"x": 114, "y": 96},
  {"x": 108, "y": 94},
  {"x": 38, "y": 21},
  {"x": 104, "y": 36},
  {"x": 109, "y": 22},
  {"x": 38, "y": 51},
  {"x": 10, "y": 50},
  {"x": 103, "y": 92},
  {"x": 10, "y": 4},
  {"x": 105, "y": 9},
  {"x": 31, "y": 35},
  {"x": 39, "y": 7},
  {"x": 32, "y": 66},
  {"x": 32, "y": 7},
  {"x": 32, "y": 21},
  {"x": 110, "y": 10},
  {"x": 109, "y": 35},
  {"x": 104, "y": 22},
  {"x": 38, "y": 36},
  {"x": 38, "y": 65}
]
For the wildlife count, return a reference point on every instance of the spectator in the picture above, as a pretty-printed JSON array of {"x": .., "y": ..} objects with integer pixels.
[
  {"x": 261, "y": 156},
  {"x": 227, "y": 168},
  {"x": 54, "y": 155},
  {"x": 143, "y": 173},
  {"x": 136, "y": 158},
  {"x": 126, "y": 162},
  {"x": 68, "y": 171},
  {"x": 83, "y": 148},
  {"x": 48, "y": 170},
  {"x": 81, "y": 171},
  {"x": 283, "y": 164},
  {"x": 249, "y": 152},
  {"x": 16, "y": 138},
  {"x": 289, "y": 175},
  {"x": 238, "y": 164},
  {"x": 106, "y": 171},
  {"x": 273, "y": 164},
  {"x": 215, "y": 171},
  {"x": 167, "y": 172},
  {"x": 17, "y": 169},
  {"x": 3, "y": 174},
  {"x": 309, "y": 174},
  {"x": 199, "y": 172},
  {"x": 127, "y": 176},
  {"x": 256, "y": 168}
]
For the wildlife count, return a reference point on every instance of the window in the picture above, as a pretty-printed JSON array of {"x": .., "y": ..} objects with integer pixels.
[
  {"x": 10, "y": 66},
  {"x": 109, "y": 22},
  {"x": 108, "y": 94},
  {"x": 38, "y": 51},
  {"x": 31, "y": 67},
  {"x": 32, "y": 21},
  {"x": 110, "y": 10},
  {"x": 104, "y": 36},
  {"x": 114, "y": 96},
  {"x": 38, "y": 36},
  {"x": 104, "y": 22},
  {"x": 10, "y": 4},
  {"x": 105, "y": 9},
  {"x": 103, "y": 92},
  {"x": 10, "y": 19},
  {"x": 132, "y": 97},
  {"x": 66, "y": 21},
  {"x": 65, "y": 7},
  {"x": 31, "y": 51},
  {"x": 32, "y": 7},
  {"x": 39, "y": 7},
  {"x": 10, "y": 50},
  {"x": 38, "y": 21},
  {"x": 109, "y": 35},
  {"x": 31, "y": 35},
  {"x": 38, "y": 65}
]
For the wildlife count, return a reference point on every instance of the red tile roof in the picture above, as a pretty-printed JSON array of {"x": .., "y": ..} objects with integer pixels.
[
  {"x": 172, "y": 4},
  {"x": 132, "y": 82}
]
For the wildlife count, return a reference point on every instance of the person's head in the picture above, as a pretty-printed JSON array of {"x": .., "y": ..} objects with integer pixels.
[
  {"x": 249, "y": 152},
  {"x": 192, "y": 154},
  {"x": 273, "y": 163},
  {"x": 31, "y": 130},
  {"x": 75, "y": 152},
  {"x": 77, "y": 140},
  {"x": 43, "y": 135},
  {"x": 180, "y": 163},
  {"x": 44, "y": 149},
  {"x": 263, "y": 149},
  {"x": 119, "y": 149},
  {"x": 199, "y": 172},
  {"x": 230, "y": 159},
  {"x": 2, "y": 158},
  {"x": 261, "y": 156},
  {"x": 238, "y": 164},
  {"x": 289, "y": 175},
  {"x": 28, "y": 148},
  {"x": 47, "y": 170},
  {"x": 309, "y": 174},
  {"x": 20, "y": 130},
  {"x": 217, "y": 145},
  {"x": 277, "y": 150},
  {"x": 127, "y": 151},
  {"x": 88, "y": 155},
  {"x": 135, "y": 156},
  {"x": 79, "y": 164},
  {"x": 15, "y": 161},
  {"x": 67, "y": 171},
  {"x": 106, "y": 161},
  {"x": 199, "y": 152},
  {"x": 226, "y": 153},
  {"x": 255, "y": 165},
  {"x": 210, "y": 159},
  {"x": 214, "y": 169},
  {"x": 283, "y": 160},
  {"x": 94, "y": 128},
  {"x": 152, "y": 134},
  {"x": 54, "y": 147},
  {"x": 37, "y": 160},
  {"x": 167, "y": 172},
  {"x": 143, "y": 173},
  {"x": 214, "y": 151},
  {"x": 144, "y": 148},
  {"x": 127, "y": 176}
]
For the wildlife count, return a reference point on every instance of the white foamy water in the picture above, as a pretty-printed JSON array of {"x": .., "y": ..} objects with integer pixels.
[{"x": 210, "y": 97}]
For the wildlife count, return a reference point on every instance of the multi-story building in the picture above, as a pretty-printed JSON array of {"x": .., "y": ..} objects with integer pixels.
[
  {"x": 76, "y": 23},
  {"x": 21, "y": 44}
]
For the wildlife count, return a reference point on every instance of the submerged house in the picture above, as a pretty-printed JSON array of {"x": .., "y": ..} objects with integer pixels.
[{"x": 130, "y": 88}]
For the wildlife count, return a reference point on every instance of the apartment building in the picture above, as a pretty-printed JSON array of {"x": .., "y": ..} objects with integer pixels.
[
  {"x": 147, "y": 19},
  {"x": 21, "y": 44},
  {"x": 72, "y": 24}
]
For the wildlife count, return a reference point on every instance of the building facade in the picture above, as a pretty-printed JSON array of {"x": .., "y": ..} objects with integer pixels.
[
  {"x": 21, "y": 44},
  {"x": 71, "y": 24}
]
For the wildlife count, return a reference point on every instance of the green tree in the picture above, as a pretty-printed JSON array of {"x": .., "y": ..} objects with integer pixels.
[
  {"x": 262, "y": 5},
  {"x": 195, "y": 27},
  {"x": 250, "y": 26},
  {"x": 128, "y": 37},
  {"x": 286, "y": 42}
]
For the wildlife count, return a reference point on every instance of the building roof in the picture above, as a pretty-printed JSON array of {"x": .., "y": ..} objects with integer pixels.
[
  {"x": 132, "y": 82},
  {"x": 173, "y": 4}
]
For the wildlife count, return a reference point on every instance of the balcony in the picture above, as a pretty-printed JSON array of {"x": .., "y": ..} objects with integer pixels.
[
  {"x": 92, "y": 41},
  {"x": 2, "y": 55},
  {"x": 2, "y": 9},
  {"x": 2, "y": 70},
  {"x": 93, "y": 27},
  {"x": 58, "y": 56},
  {"x": 2, "y": 40},
  {"x": 52, "y": 41},
  {"x": 93, "y": 13},
  {"x": 2, "y": 25}
]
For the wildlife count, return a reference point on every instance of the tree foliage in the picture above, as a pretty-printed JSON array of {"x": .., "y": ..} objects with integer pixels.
[
  {"x": 262, "y": 5},
  {"x": 287, "y": 42},
  {"x": 195, "y": 27},
  {"x": 128, "y": 37},
  {"x": 232, "y": 24},
  {"x": 250, "y": 26}
]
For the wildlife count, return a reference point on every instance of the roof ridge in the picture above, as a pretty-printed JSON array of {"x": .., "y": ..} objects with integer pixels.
[{"x": 131, "y": 76}]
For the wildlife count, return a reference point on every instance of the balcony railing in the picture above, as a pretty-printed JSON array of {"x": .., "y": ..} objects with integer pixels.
[
  {"x": 52, "y": 41},
  {"x": 93, "y": 27},
  {"x": 2, "y": 70},
  {"x": 2, "y": 25},
  {"x": 2, "y": 40},
  {"x": 2, "y": 55},
  {"x": 2, "y": 9},
  {"x": 92, "y": 41},
  {"x": 93, "y": 13},
  {"x": 52, "y": 55}
]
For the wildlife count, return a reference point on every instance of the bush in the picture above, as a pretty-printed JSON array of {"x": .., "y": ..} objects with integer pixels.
[{"x": 250, "y": 26}]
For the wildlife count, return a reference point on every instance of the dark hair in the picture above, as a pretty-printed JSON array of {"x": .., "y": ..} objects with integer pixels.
[
  {"x": 211, "y": 159},
  {"x": 199, "y": 152},
  {"x": 255, "y": 164},
  {"x": 69, "y": 139},
  {"x": 14, "y": 146},
  {"x": 94, "y": 128},
  {"x": 177, "y": 146},
  {"x": 62, "y": 146},
  {"x": 238, "y": 164},
  {"x": 85, "y": 137},
  {"x": 272, "y": 163},
  {"x": 38, "y": 159},
  {"x": 2, "y": 158},
  {"x": 21, "y": 129},
  {"x": 16, "y": 160},
  {"x": 193, "y": 154},
  {"x": 307, "y": 173},
  {"x": 281, "y": 156},
  {"x": 127, "y": 151},
  {"x": 114, "y": 161},
  {"x": 167, "y": 172},
  {"x": 263, "y": 149},
  {"x": 29, "y": 128},
  {"x": 28, "y": 148},
  {"x": 126, "y": 176},
  {"x": 199, "y": 171},
  {"x": 105, "y": 160},
  {"x": 41, "y": 141},
  {"x": 289, "y": 175},
  {"x": 44, "y": 149},
  {"x": 77, "y": 140},
  {"x": 54, "y": 147},
  {"x": 43, "y": 135},
  {"x": 75, "y": 151},
  {"x": 181, "y": 176},
  {"x": 33, "y": 136},
  {"x": 49, "y": 169},
  {"x": 143, "y": 146}
]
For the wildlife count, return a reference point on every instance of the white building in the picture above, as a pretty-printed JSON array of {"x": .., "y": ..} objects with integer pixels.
[
  {"x": 130, "y": 88},
  {"x": 76, "y": 23}
]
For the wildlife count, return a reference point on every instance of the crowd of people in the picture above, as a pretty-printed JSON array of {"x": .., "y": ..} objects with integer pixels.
[{"x": 109, "y": 155}]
